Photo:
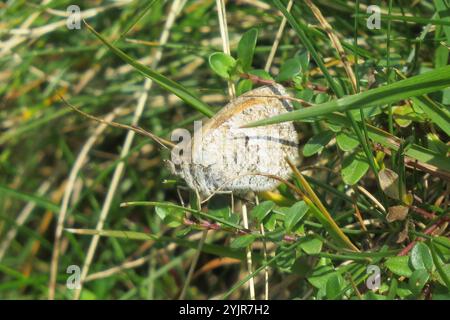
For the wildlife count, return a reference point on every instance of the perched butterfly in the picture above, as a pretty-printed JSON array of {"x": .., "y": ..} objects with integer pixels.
[{"x": 228, "y": 157}]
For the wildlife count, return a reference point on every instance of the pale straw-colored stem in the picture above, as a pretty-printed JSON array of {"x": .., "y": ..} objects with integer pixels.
[
  {"x": 266, "y": 268},
  {"x": 221, "y": 12},
  {"x": 251, "y": 282},
  {"x": 79, "y": 162},
  {"x": 278, "y": 36}
]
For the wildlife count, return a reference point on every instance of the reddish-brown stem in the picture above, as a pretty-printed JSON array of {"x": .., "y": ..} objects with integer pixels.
[{"x": 429, "y": 231}]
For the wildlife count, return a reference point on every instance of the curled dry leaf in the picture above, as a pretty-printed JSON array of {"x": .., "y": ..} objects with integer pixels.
[
  {"x": 397, "y": 213},
  {"x": 403, "y": 235},
  {"x": 389, "y": 183}
]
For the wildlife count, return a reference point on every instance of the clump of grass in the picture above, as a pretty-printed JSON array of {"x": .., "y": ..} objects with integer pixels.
[{"x": 370, "y": 197}]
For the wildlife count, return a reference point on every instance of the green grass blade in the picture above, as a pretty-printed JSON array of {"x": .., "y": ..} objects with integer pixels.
[
  {"x": 170, "y": 85},
  {"x": 39, "y": 201},
  {"x": 217, "y": 250},
  {"x": 171, "y": 205},
  {"x": 404, "y": 89},
  {"x": 137, "y": 18},
  {"x": 399, "y": 18}
]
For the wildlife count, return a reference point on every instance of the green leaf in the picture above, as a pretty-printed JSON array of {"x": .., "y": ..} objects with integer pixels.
[
  {"x": 224, "y": 212},
  {"x": 335, "y": 286},
  {"x": 286, "y": 258},
  {"x": 303, "y": 58},
  {"x": 418, "y": 280},
  {"x": 290, "y": 68},
  {"x": 246, "y": 48},
  {"x": 311, "y": 244},
  {"x": 270, "y": 222},
  {"x": 243, "y": 241},
  {"x": 262, "y": 210},
  {"x": 443, "y": 245},
  {"x": 392, "y": 142},
  {"x": 170, "y": 85},
  {"x": 222, "y": 64},
  {"x": 172, "y": 217},
  {"x": 370, "y": 295},
  {"x": 346, "y": 142},
  {"x": 261, "y": 74},
  {"x": 434, "y": 111},
  {"x": 294, "y": 214},
  {"x": 316, "y": 143},
  {"x": 442, "y": 10},
  {"x": 320, "y": 276},
  {"x": 443, "y": 275},
  {"x": 243, "y": 86},
  {"x": 399, "y": 266},
  {"x": 354, "y": 168},
  {"x": 421, "y": 257}
]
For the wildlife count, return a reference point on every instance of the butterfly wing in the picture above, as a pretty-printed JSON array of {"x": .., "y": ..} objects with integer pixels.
[{"x": 233, "y": 158}]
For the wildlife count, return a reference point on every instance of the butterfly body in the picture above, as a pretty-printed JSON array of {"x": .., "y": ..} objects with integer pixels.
[{"x": 227, "y": 157}]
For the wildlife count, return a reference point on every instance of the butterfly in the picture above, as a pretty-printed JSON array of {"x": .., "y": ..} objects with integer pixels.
[
  {"x": 225, "y": 156},
  {"x": 230, "y": 158}
]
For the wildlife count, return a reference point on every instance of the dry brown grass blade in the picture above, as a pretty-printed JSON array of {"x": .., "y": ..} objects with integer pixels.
[
  {"x": 315, "y": 199},
  {"x": 214, "y": 264}
]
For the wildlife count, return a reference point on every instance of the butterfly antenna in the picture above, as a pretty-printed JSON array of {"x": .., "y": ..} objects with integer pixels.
[{"x": 162, "y": 142}]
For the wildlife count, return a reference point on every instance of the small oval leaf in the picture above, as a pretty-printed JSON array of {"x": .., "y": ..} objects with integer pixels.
[
  {"x": 246, "y": 48},
  {"x": 243, "y": 241},
  {"x": 421, "y": 257},
  {"x": 294, "y": 214},
  {"x": 243, "y": 86},
  {"x": 399, "y": 266},
  {"x": 335, "y": 286},
  {"x": 291, "y": 68},
  {"x": 418, "y": 280},
  {"x": 346, "y": 142},
  {"x": 354, "y": 168},
  {"x": 316, "y": 143},
  {"x": 222, "y": 64},
  {"x": 262, "y": 210}
]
